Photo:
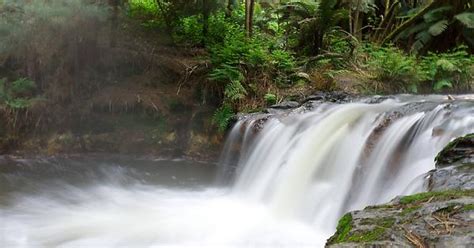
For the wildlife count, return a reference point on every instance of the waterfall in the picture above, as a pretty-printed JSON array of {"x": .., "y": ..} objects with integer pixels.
[
  {"x": 335, "y": 158},
  {"x": 285, "y": 178}
]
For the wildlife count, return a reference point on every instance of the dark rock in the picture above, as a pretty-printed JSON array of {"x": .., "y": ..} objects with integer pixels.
[
  {"x": 460, "y": 150},
  {"x": 460, "y": 177},
  {"x": 286, "y": 105},
  {"x": 333, "y": 97}
]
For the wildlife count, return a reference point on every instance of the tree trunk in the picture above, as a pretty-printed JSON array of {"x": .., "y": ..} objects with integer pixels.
[{"x": 249, "y": 9}]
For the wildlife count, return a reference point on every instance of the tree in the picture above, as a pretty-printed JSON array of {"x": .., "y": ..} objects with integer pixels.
[{"x": 249, "y": 11}]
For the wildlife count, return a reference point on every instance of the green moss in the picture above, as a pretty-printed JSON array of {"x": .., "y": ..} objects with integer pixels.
[
  {"x": 468, "y": 207},
  {"x": 368, "y": 236},
  {"x": 387, "y": 222},
  {"x": 343, "y": 228},
  {"x": 409, "y": 210},
  {"x": 438, "y": 195},
  {"x": 381, "y": 222}
]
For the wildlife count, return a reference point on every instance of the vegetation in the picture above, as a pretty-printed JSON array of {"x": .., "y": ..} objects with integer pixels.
[
  {"x": 417, "y": 198},
  {"x": 257, "y": 52},
  {"x": 394, "y": 45}
]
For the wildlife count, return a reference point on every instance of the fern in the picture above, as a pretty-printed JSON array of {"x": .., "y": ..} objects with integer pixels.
[
  {"x": 226, "y": 73},
  {"x": 467, "y": 19},
  {"x": 222, "y": 117},
  {"x": 438, "y": 28},
  {"x": 234, "y": 91}
]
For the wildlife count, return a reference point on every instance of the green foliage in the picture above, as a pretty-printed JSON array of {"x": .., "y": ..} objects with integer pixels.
[
  {"x": 270, "y": 99},
  {"x": 448, "y": 70},
  {"x": 143, "y": 8},
  {"x": 392, "y": 65},
  {"x": 189, "y": 30},
  {"x": 22, "y": 87},
  {"x": 222, "y": 117},
  {"x": 309, "y": 22},
  {"x": 18, "y": 94},
  {"x": 435, "y": 22},
  {"x": 436, "y": 195}
]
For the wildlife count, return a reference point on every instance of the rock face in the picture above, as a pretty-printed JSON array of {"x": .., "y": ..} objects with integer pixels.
[{"x": 442, "y": 217}]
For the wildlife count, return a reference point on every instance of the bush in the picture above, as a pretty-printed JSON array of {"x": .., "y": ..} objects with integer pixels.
[
  {"x": 452, "y": 70},
  {"x": 392, "y": 66},
  {"x": 143, "y": 8},
  {"x": 270, "y": 99},
  {"x": 17, "y": 95}
]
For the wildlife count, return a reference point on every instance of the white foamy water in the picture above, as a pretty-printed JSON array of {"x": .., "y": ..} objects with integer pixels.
[{"x": 290, "y": 182}]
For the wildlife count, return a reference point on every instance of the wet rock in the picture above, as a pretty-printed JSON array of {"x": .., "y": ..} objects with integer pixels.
[
  {"x": 459, "y": 151},
  {"x": 286, "y": 105},
  {"x": 333, "y": 97}
]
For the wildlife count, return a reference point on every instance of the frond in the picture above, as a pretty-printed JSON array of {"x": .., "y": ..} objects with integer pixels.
[
  {"x": 466, "y": 18},
  {"x": 437, "y": 14},
  {"x": 438, "y": 28}
]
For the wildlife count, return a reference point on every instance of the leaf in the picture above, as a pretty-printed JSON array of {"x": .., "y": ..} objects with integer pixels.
[
  {"x": 235, "y": 91},
  {"x": 443, "y": 83},
  {"x": 466, "y": 18},
  {"x": 422, "y": 39},
  {"x": 436, "y": 14},
  {"x": 446, "y": 65},
  {"x": 438, "y": 28}
]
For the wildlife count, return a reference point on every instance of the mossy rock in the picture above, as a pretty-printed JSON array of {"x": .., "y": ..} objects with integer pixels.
[
  {"x": 459, "y": 149},
  {"x": 420, "y": 216}
]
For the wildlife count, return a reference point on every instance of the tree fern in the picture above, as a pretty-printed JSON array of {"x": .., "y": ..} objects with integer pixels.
[
  {"x": 438, "y": 28},
  {"x": 467, "y": 19}
]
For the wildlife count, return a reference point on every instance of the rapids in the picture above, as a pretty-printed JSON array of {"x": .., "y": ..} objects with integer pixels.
[{"x": 284, "y": 179}]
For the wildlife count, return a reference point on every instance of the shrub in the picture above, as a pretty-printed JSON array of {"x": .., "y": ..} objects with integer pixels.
[
  {"x": 448, "y": 70},
  {"x": 18, "y": 94},
  {"x": 189, "y": 30},
  {"x": 270, "y": 99},
  {"x": 143, "y": 8},
  {"x": 392, "y": 66}
]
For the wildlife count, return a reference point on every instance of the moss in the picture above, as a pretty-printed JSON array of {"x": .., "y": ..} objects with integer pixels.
[
  {"x": 437, "y": 195},
  {"x": 468, "y": 207},
  {"x": 343, "y": 228},
  {"x": 386, "y": 222},
  {"x": 368, "y": 236},
  {"x": 409, "y": 210}
]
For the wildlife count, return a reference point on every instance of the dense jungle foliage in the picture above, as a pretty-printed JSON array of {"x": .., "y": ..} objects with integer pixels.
[
  {"x": 258, "y": 48},
  {"x": 258, "y": 53}
]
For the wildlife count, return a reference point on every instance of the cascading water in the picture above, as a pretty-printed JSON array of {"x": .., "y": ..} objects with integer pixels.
[{"x": 292, "y": 174}]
